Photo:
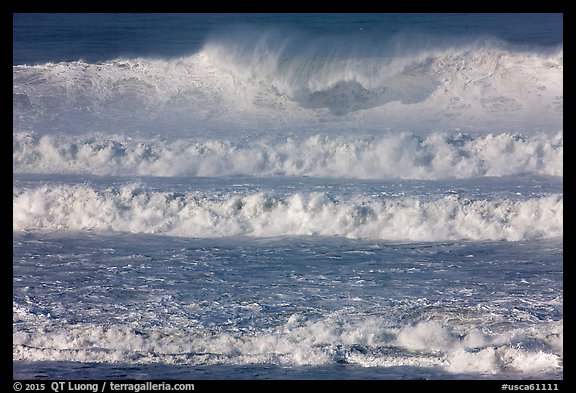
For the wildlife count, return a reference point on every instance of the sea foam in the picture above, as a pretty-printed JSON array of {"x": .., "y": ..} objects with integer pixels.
[
  {"x": 269, "y": 81},
  {"x": 387, "y": 156},
  {"x": 333, "y": 340},
  {"x": 134, "y": 208}
]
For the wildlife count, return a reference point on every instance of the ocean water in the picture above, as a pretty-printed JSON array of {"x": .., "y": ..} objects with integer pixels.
[{"x": 288, "y": 196}]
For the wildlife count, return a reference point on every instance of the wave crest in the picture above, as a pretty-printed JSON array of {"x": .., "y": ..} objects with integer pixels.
[
  {"x": 332, "y": 340},
  {"x": 133, "y": 208},
  {"x": 404, "y": 155},
  {"x": 266, "y": 80}
]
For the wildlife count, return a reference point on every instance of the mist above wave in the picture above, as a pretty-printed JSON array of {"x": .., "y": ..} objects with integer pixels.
[{"x": 264, "y": 79}]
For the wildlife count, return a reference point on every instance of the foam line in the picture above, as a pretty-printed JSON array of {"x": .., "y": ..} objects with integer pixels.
[
  {"x": 133, "y": 208},
  {"x": 389, "y": 156}
]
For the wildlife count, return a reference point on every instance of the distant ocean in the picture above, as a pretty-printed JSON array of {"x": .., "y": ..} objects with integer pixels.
[{"x": 288, "y": 196}]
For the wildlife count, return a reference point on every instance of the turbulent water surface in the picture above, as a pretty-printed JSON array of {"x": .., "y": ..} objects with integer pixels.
[{"x": 288, "y": 196}]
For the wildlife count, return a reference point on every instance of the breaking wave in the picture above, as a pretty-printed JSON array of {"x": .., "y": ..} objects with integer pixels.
[
  {"x": 388, "y": 156},
  {"x": 263, "y": 80},
  {"x": 133, "y": 208},
  {"x": 371, "y": 342}
]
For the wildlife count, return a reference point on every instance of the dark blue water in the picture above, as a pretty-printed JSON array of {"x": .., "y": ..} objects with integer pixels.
[{"x": 39, "y": 38}]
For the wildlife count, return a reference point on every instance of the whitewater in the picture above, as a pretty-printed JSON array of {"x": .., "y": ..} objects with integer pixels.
[
  {"x": 268, "y": 83},
  {"x": 280, "y": 204}
]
